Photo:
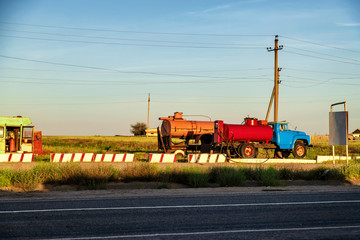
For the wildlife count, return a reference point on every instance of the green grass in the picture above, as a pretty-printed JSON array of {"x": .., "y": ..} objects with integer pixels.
[
  {"x": 228, "y": 176},
  {"x": 141, "y": 146},
  {"x": 98, "y": 176}
]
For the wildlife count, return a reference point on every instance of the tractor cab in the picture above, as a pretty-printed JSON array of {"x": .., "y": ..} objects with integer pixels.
[{"x": 16, "y": 136}]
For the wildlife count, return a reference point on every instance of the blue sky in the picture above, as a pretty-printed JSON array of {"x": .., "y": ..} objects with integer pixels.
[{"x": 86, "y": 67}]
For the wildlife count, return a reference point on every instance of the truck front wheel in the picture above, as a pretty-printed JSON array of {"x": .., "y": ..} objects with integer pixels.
[{"x": 299, "y": 150}]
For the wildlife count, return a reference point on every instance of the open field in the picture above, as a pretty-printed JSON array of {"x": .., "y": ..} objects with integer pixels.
[{"x": 142, "y": 145}]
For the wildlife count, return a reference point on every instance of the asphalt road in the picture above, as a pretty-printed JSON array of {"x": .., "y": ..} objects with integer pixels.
[{"x": 261, "y": 215}]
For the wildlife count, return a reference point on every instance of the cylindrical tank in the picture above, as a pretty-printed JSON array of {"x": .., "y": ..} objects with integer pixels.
[
  {"x": 176, "y": 126},
  {"x": 12, "y": 145},
  {"x": 183, "y": 129},
  {"x": 252, "y": 133}
]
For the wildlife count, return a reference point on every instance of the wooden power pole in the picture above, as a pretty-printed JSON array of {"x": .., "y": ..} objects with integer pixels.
[
  {"x": 148, "y": 113},
  {"x": 275, "y": 93}
]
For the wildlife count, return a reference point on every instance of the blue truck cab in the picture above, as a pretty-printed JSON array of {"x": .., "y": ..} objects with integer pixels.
[{"x": 289, "y": 141}]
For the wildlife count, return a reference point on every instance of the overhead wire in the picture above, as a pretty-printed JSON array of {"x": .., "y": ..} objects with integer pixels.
[
  {"x": 126, "y": 72},
  {"x": 108, "y": 82},
  {"x": 177, "y": 42},
  {"x": 312, "y": 56},
  {"x": 108, "y": 71},
  {"x": 318, "y": 44},
  {"x": 138, "y": 32},
  {"x": 136, "y": 40},
  {"x": 323, "y": 72},
  {"x": 317, "y": 82},
  {"x": 329, "y": 55},
  {"x": 132, "y": 44}
]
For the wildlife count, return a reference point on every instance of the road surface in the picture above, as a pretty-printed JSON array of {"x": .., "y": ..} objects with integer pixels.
[{"x": 215, "y": 215}]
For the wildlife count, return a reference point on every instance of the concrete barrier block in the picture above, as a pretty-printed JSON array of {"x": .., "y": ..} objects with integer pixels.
[
  {"x": 17, "y": 157},
  {"x": 206, "y": 158},
  {"x": 320, "y": 158},
  {"x": 162, "y": 158}
]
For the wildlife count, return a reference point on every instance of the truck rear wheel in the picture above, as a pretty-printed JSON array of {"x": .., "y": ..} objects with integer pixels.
[
  {"x": 248, "y": 150},
  {"x": 299, "y": 150}
]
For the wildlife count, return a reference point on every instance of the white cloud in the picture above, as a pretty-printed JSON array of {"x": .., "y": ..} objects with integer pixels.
[
  {"x": 353, "y": 24},
  {"x": 217, "y": 8},
  {"x": 210, "y": 10}
]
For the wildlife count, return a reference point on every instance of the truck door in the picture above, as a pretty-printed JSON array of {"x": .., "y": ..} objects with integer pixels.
[
  {"x": 27, "y": 139},
  {"x": 284, "y": 136}
]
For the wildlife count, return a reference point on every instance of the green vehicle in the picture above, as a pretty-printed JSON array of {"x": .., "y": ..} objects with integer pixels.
[{"x": 16, "y": 136}]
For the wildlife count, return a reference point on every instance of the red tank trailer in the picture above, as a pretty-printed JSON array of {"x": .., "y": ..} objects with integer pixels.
[
  {"x": 242, "y": 140},
  {"x": 251, "y": 131}
]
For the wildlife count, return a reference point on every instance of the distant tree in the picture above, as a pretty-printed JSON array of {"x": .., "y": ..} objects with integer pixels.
[{"x": 138, "y": 128}]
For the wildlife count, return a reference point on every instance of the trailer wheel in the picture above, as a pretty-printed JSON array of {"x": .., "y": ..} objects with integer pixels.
[
  {"x": 180, "y": 153},
  {"x": 248, "y": 150},
  {"x": 299, "y": 150}
]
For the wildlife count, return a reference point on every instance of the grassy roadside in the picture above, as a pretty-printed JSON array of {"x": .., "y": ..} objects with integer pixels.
[{"x": 99, "y": 176}]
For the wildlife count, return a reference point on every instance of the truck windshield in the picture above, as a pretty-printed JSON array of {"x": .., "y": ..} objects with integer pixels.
[{"x": 283, "y": 127}]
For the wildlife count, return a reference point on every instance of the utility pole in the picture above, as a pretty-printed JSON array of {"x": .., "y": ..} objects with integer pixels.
[
  {"x": 275, "y": 93},
  {"x": 148, "y": 113}
]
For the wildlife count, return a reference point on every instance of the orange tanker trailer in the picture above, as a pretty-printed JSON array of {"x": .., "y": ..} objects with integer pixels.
[{"x": 197, "y": 135}]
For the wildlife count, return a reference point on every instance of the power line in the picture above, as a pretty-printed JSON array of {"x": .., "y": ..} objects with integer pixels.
[
  {"x": 351, "y": 59},
  {"x": 319, "y": 44},
  {"x": 113, "y": 70},
  {"x": 317, "y": 82},
  {"x": 138, "y": 32},
  {"x": 103, "y": 71},
  {"x": 129, "y": 44},
  {"x": 220, "y": 70},
  {"x": 136, "y": 40},
  {"x": 314, "y": 71},
  {"x": 72, "y": 103},
  {"x": 102, "y": 83},
  {"x": 329, "y": 59}
]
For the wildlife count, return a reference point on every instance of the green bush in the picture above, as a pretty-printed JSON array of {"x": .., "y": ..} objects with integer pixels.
[
  {"x": 228, "y": 176},
  {"x": 27, "y": 180},
  {"x": 5, "y": 178},
  {"x": 269, "y": 177},
  {"x": 352, "y": 171},
  {"x": 140, "y": 172},
  {"x": 197, "y": 177}
]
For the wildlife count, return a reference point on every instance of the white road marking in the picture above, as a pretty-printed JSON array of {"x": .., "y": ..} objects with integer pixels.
[
  {"x": 178, "y": 206},
  {"x": 212, "y": 232}
]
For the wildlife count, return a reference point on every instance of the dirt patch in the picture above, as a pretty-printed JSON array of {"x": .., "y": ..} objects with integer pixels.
[
  {"x": 137, "y": 189},
  {"x": 159, "y": 185}
]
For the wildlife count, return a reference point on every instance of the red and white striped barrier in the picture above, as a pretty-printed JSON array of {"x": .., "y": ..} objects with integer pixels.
[
  {"x": 123, "y": 157},
  {"x": 91, "y": 157},
  {"x": 17, "y": 157},
  {"x": 162, "y": 158},
  {"x": 71, "y": 157},
  {"x": 206, "y": 158}
]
